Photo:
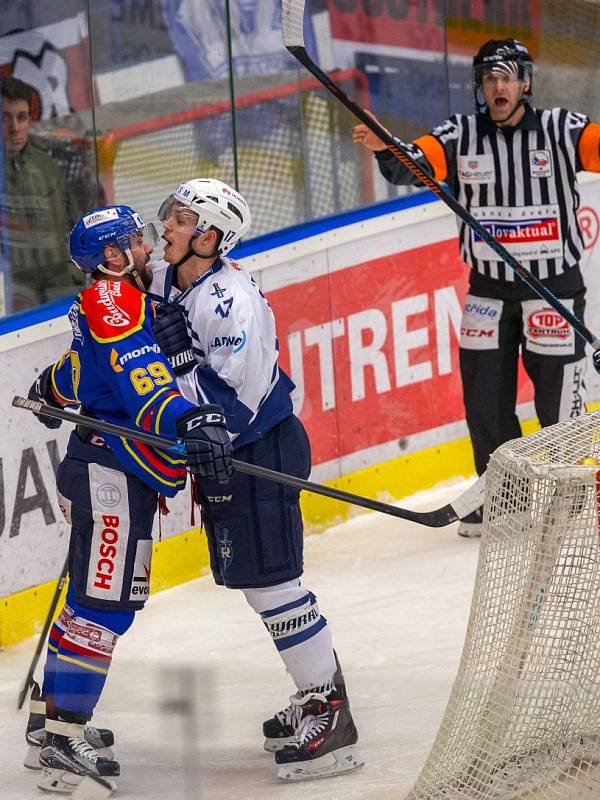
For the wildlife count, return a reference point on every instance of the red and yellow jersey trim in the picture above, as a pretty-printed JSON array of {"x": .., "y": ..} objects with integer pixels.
[
  {"x": 146, "y": 412},
  {"x": 113, "y": 310},
  {"x": 62, "y": 398},
  {"x": 162, "y": 407},
  {"x": 148, "y": 457}
]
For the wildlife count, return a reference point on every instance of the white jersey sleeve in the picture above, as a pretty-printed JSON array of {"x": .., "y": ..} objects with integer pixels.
[{"x": 232, "y": 329}]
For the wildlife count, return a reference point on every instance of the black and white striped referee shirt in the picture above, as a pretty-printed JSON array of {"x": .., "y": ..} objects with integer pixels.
[{"x": 519, "y": 183}]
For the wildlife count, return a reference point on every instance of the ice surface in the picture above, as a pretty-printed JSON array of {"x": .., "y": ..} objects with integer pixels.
[{"x": 397, "y": 597}]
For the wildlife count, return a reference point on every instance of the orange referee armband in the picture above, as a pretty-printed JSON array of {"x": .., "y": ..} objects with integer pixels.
[
  {"x": 589, "y": 148},
  {"x": 434, "y": 153}
]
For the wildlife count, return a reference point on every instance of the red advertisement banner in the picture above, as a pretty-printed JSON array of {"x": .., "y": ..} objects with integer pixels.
[
  {"x": 423, "y": 25},
  {"x": 373, "y": 348}
]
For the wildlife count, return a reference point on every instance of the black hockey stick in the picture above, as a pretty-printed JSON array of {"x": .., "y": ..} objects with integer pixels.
[
  {"x": 292, "y": 18},
  {"x": 459, "y": 508},
  {"x": 43, "y": 636}
]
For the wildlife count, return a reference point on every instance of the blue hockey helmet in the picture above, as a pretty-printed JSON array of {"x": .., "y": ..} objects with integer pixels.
[{"x": 108, "y": 225}]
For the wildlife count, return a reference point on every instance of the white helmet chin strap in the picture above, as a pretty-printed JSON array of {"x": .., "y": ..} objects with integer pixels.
[{"x": 191, "y": 253}]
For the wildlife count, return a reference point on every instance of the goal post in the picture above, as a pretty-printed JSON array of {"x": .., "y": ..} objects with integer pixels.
[
  {"x": 296, "y": 159},
  {"x": 523, "y": 719}
]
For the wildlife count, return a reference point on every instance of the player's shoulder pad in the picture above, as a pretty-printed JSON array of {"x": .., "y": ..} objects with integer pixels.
[{"x": 113, "y": 309}]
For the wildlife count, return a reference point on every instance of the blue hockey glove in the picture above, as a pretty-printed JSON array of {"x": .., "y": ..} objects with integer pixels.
[
  {"x": 41, "y": 390},
  {"x": 206, "y": 441},
  {"x": 171, "y": 334}
]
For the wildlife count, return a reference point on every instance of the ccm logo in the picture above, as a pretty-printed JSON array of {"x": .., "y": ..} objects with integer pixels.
[
  {"x": 205, "y": 419},
  {"x": 475, "y": 333},
  {"x": 107, "y": 550}
]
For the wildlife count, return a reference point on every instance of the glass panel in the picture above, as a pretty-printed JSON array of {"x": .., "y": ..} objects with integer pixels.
[
  {"x": 162, "y": 110},
  {"x": 47, "y": 173},
  {"x": 295, "y": 158}
]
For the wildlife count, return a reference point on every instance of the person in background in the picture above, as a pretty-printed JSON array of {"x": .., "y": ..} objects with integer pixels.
[
  {"x": 513, "y": 167},
  {"x": 39, "y": 210}
]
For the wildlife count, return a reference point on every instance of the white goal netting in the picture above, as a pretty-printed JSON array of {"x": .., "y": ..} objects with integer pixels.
[{"x": 523, "y": 719}]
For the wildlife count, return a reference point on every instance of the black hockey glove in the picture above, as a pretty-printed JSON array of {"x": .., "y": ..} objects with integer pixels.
[
  {"x": 596, "y": 360},
  {"x": 41, "y": 390},
  {"x": 171, "y": 334},
  {"x": 206, "y": 441}
]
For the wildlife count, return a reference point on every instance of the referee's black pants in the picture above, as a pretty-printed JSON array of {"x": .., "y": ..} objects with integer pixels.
[{"x": 489, "y": 371}]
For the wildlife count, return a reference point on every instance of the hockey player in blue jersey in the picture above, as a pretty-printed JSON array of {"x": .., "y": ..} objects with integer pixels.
[
  {"x": 108, "y": 486},
  {"x": 219, "y": 332}
]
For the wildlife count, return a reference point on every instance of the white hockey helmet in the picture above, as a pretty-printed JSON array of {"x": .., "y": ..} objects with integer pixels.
[{"x": 216, "y": 205}]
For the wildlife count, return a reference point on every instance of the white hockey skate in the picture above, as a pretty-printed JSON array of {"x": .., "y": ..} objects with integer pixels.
[
  {"x": 101, "y": 739},
  {"x": 66, "y": 758}
]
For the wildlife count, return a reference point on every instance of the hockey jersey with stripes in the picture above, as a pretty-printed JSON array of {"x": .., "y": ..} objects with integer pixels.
[
  {"x": 115, "y": 370},
  {"x": 519, "y": 182}
]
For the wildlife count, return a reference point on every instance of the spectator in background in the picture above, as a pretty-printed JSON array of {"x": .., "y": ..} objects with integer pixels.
[{"x": 40, "y": 209}]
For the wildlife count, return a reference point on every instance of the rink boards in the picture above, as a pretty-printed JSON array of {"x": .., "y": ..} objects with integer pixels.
[{"x": 368, "y": 308}]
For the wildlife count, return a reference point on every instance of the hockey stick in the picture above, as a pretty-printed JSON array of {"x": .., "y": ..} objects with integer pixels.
[
  {"x": 292, "y": 18},
  {"x": 461, "y": 507},
  {"x": 43, "y": 635}
]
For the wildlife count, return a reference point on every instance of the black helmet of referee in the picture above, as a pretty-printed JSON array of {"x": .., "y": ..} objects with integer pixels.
[{"x": 503, "y": 56}]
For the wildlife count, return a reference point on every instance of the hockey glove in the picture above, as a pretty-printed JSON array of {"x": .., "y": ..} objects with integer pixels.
[
  {"x": 596, "y": 360},
  {"x": 206, "y": 441},
  {"x": 171, "y": 334},
  {"x": 41, "y": 390}
]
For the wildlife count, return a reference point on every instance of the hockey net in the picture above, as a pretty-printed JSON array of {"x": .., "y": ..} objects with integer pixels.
[
  {"x": 296, "y": 160},
  {"x": 523, "y": 719}
]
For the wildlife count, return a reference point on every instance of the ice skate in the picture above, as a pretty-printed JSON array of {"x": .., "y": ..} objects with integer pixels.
[
  {"x": 280, "y": 730},
  {"x": 66, "y": 758},
  {"x": 325, "y": 739},
  {"x": 101, "y": 739}
]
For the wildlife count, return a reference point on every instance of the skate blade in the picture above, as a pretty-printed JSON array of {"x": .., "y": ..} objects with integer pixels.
[
  {"x": 346, "y": 759},
  {"x": 274, "y": 745},
  {"x": 32, "y": 759},
  {"x": 79, "y": 787},
  {"x": 94, "y": 789}
]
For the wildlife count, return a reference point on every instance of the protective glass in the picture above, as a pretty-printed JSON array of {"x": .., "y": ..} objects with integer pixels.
[
  {"x": 148, "y": 236},
  {"x": 182, "y": 214}
]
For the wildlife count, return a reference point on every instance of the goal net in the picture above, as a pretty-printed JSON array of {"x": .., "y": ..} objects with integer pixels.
[
  {"x": 523, "y": 719},
  {"x": 295, "y": 156}
]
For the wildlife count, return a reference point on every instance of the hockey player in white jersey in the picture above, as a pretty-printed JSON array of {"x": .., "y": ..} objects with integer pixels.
[{"x": 218, "y": 330}]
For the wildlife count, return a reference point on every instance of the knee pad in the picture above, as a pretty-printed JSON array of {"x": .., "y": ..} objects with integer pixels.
[
  {"x": 91, "y": 634},
  {"x": 289, "y": 612}
]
